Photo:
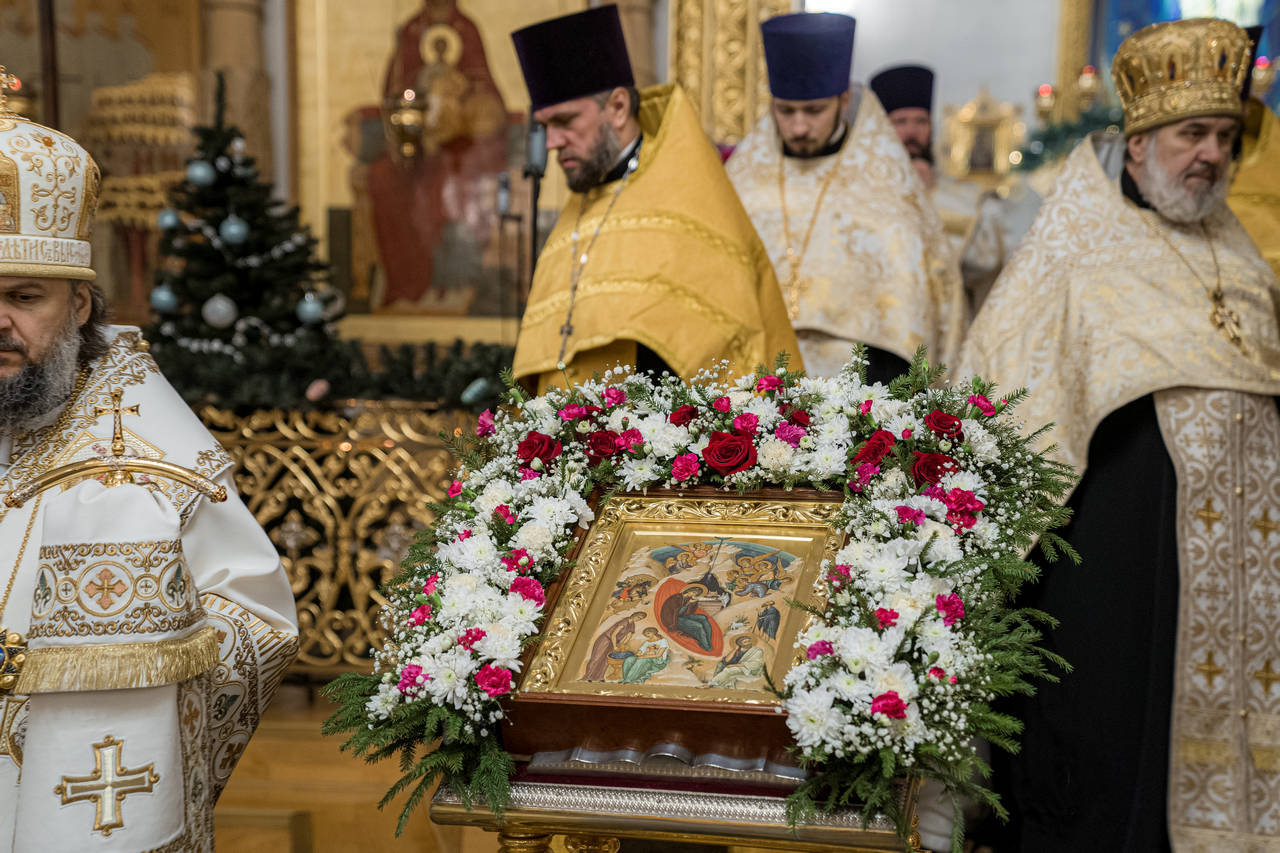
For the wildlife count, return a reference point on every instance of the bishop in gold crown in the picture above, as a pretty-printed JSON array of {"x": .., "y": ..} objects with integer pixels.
[{"x": 1181, "y": 69}]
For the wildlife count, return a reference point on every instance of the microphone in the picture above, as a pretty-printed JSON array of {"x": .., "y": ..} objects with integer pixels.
[{"x": 536, "y": 155}]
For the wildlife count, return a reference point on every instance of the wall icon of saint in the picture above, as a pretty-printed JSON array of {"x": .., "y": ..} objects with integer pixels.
[{"x": 433, "y": 188}]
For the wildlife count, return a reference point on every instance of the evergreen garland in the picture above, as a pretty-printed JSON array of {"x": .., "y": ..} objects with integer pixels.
[{"x": 1052, "y": 142}]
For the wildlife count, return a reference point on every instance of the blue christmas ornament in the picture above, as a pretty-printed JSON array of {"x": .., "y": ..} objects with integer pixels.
[
  {"x": 168, "y": 219},
  {"x": 201, "y": 173},
  {"x": 164, "y": 300},
  {"x": 310, "y": 309},
  {"x": 234, "y": 230}
]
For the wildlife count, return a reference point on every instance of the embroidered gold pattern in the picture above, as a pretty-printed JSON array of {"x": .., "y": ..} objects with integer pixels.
[
  {"x": 1208, "y": 514},
  {"x": 1223, "y": 793},
  {"x": 13, "y": 725},
  {"x": 108, "y": 785},
  {"x": 1264, "y": 525}
]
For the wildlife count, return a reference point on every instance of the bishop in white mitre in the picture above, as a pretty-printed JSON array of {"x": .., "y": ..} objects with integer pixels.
[
  {"x": 144, "y": 625},
  {"x": 859, "y": 250},
  {"x": 1145, "y": 324}
]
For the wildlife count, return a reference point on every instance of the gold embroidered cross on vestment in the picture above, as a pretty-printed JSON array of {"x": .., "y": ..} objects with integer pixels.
[{"x": 108, "y": 785}]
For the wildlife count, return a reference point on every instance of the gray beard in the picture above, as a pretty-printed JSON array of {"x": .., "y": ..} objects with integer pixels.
[
  {"x": 1171, "y": 198},
  {"x": 34, "y": 392}
]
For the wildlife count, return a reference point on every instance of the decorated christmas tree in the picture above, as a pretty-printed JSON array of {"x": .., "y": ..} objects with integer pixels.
[{"x": 243, "y": 315}]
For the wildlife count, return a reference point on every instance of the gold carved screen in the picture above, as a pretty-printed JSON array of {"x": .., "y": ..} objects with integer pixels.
[{"x": 717, "y": 57}]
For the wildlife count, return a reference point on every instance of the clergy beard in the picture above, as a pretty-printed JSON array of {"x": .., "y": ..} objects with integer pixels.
[
  {"x": 27, "y": 397},
  {"x": 1172, "y": 198},
  {"x": 598, "y": 163}
]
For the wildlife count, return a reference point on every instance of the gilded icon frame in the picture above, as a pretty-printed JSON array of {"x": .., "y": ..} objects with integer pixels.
[{"x": 628, "y": 525}]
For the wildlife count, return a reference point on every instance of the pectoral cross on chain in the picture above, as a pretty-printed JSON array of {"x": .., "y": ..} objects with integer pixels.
[
  {"x": 1225, "y": 319},
  {"x": 116, "y": 410}
]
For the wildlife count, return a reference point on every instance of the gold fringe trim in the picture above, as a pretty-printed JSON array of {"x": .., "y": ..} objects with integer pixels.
[{"x": 118, "y": 666}]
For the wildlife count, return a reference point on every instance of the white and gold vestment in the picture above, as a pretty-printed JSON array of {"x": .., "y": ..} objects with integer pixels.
[
  {"x": 158, "y": 626},
  {"x": 878, "y": 268}
]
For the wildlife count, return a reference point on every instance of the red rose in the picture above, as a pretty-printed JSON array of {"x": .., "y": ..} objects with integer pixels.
[
  {"x": 601, "y": 444},
  {"x": 876, "y": 448},
  {"x": 947, "y": 426},
  {"x": 930, "y": 467},
  {"x": 682, "y": 415},
  {"x": 799, "y": 417},
  {"x": 728, "y": 453},
  {"x": 537, "y": 445}
]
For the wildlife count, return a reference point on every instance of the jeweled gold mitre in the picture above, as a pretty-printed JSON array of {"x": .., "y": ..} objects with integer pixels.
[
  {"x": 1180, "y": 69},
  {"x": 48, "y": 196}
]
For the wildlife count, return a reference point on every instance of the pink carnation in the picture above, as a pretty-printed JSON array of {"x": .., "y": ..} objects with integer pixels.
[
  {"x": 818, "y": 649},
  {"x": 529, "y": 589},
  {"x": 494, "y": 680},
  {"x": 746, "y": 422},
  {"x": 614, "y": 397},
  {"x": 910, "y": 515},
  {"x": 886, "y": 617},
  {"x": 629, "y": 440},
  {"x": 768, "y": 383},
  {"x": 409, "y": 678},
  {"x": 529, "y": 474},
  {"x": 961, "y": 500},
  {"x": 430, "y": 586},
  {"x": 504, "y": 512},
  {"x": 790, "y": 433},
  {"x": 906, "y": 433},
  {"x": 463, "y": 536},
  {"x": 485, "y": 425},
  {"x": 455, "y": 488},
  {"x": 951, "y": 608},
  {"x": 839, "y": 574},
  {"x": 572, "y": 412},
  {"x": 684, "y": 467},
  {"x": 983, "y": 405},
  {"x": 865, "y": 408},
  {"x": 937, "y": 672},
  {"x": 517, "y": 560},
  {"x": 890, "y": 704},
  {"x": 720, "y": 404},
  {"x": 936, "y": 492},
  {"x": 863, "y": 476},
  {"x": 420, "y": 614},
  {"x": 470, "y": 637}
]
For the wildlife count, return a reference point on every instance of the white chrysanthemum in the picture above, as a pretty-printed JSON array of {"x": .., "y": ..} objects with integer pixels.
[
  {"x": 885, "y": 569},
  {"x": 813, "y": 719},
  {"x": 471, "y": 554},
  {"x": 892, "y": 485},
  {"x": 582, "y": 513},
  {"x": 640, "y": 473},
  {"x": 501, "y": 645},
  {"x": 850, "y": 687},
  {"x": 986, "y": 532},
  {"x": 945, "y": 549},
  {"x": 615, "y": 419},
  {"x": 495, "y": 494},
  {"x": 859, "y": 648},
  {"x": 739, "y": 399},
  {"x": 536, "y": 538},
  {"x": 519, "y": 612},
  {"x": 932, "y": 528},
  {"x": 663, "y": 438},
  {"x": 540, "y": 416},
  {"x": 766, "y": 413},
  {"x": 451, "y": 676},
  {"x": 553, "y": 513},
  {"x": 897, "y": 677},
  {"x": 900, "y": 423},
  {"x": 967, "y": 480},
  {"x": 775, "y": 456},
  {"x": 918, "y": 598},
  {"x": 827, "y": 461}
]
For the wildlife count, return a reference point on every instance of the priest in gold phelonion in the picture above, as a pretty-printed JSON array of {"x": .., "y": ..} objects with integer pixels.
[
  {"x": 858, "y": 248},
  {"x": 1143, "y": 321},
  {"x": 653, "y": 261},
  {"x": 146, "y": 623}
]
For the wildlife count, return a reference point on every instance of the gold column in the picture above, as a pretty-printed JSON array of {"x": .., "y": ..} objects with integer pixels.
[
  {"x": 523, "y": 842},
  {"x": 637, "y": 26},
  {"x": 717, "y": 58},
  {"x": 233, "y": 45},
  {"x": 1075, "y": 28}
]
